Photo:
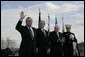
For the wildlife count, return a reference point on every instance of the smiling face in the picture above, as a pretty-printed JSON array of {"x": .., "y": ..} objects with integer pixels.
[
  {"x": 68, "y": 29},
  {"x": 42, "y": 24},
  {"x": 29, "y": 21}
]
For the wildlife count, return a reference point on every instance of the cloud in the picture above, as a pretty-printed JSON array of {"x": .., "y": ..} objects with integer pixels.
[
  {"x": 5, "y": 5},
  {"x": 77, "y": 15},
  {"x": 79, "y": 32},
  {"x": 10, "y": 17}
]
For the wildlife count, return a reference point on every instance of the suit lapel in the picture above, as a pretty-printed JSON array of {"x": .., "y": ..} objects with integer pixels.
[
  {"x": 56, "y": 35},
  {"x": 41, "y": 32},
  {"x": 33, "y": 31},
  {"x": 27, "y": 31}
]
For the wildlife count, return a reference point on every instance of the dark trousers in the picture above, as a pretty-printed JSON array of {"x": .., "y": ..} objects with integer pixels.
[{"x": 42, "y": 52}]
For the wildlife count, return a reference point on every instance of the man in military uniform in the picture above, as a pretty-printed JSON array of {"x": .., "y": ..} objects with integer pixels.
[{"x": 69, "y": 40}]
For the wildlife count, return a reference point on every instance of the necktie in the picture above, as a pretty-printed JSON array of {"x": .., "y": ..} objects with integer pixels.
[
  {"x": 30, "y": 31},
  {"x": 44, "y": 32},
  {"x": 58, "y": 34}
]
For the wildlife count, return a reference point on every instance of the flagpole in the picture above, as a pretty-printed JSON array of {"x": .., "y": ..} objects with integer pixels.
[
  {"x": 62, "y": 32},
  {"x": 62, "y": 24},
  {"x": 48, "y": 23}
]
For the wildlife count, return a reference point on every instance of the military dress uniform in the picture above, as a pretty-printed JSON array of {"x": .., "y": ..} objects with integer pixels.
[{"x": 69, "y": 39}]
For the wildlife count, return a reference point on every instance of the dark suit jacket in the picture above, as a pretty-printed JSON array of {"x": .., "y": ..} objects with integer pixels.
[
  {"x": 27, "y": 47},
  {"x": 42, "y": 42},
  {"x": 68, "y": 41},
  {"x": 53, "y": 37},
  {"x": 54, "y": 45}
]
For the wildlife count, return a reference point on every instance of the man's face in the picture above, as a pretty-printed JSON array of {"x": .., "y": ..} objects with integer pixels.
[
  {"x": 29, "y": 22},
  {"x": 68, "y": 29},
  {"x": 42, "y": 24},
  {"x": 56, "y": 28}
]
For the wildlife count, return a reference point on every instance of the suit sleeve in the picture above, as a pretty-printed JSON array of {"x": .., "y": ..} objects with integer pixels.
[{"x": 19, "y": 27}]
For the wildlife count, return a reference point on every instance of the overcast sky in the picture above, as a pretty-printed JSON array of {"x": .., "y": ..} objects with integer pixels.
[{"x": 73, "y": 12}]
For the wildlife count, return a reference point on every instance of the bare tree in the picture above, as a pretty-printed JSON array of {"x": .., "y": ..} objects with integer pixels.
[
  {"x": 12, "y": 45},
  {"x": 3, "y": 43}
]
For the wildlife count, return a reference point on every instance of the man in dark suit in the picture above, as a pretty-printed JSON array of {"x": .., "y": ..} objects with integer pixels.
[
  {"x": 28, "y": 33},
  {"x": 70, "y": 39},
  {"x": 42, "y": 39},
  {"x": 55, "y": 42}
]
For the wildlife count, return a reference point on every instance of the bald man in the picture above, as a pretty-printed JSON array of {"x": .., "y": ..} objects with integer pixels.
[{"x": 55, "y": 44}]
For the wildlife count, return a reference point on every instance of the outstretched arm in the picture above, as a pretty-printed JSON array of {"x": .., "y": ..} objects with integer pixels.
[{"x": 18, "y": 26}]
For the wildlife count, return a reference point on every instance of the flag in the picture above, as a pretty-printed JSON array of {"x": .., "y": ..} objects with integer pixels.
[
  {"x": 48, "y": 23},
  {"x": 62, "y": 32},
  {"x": 56, "y": 22},
  {"x": 62, "y": 24},
  {"x": 39, "y": 18}
]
